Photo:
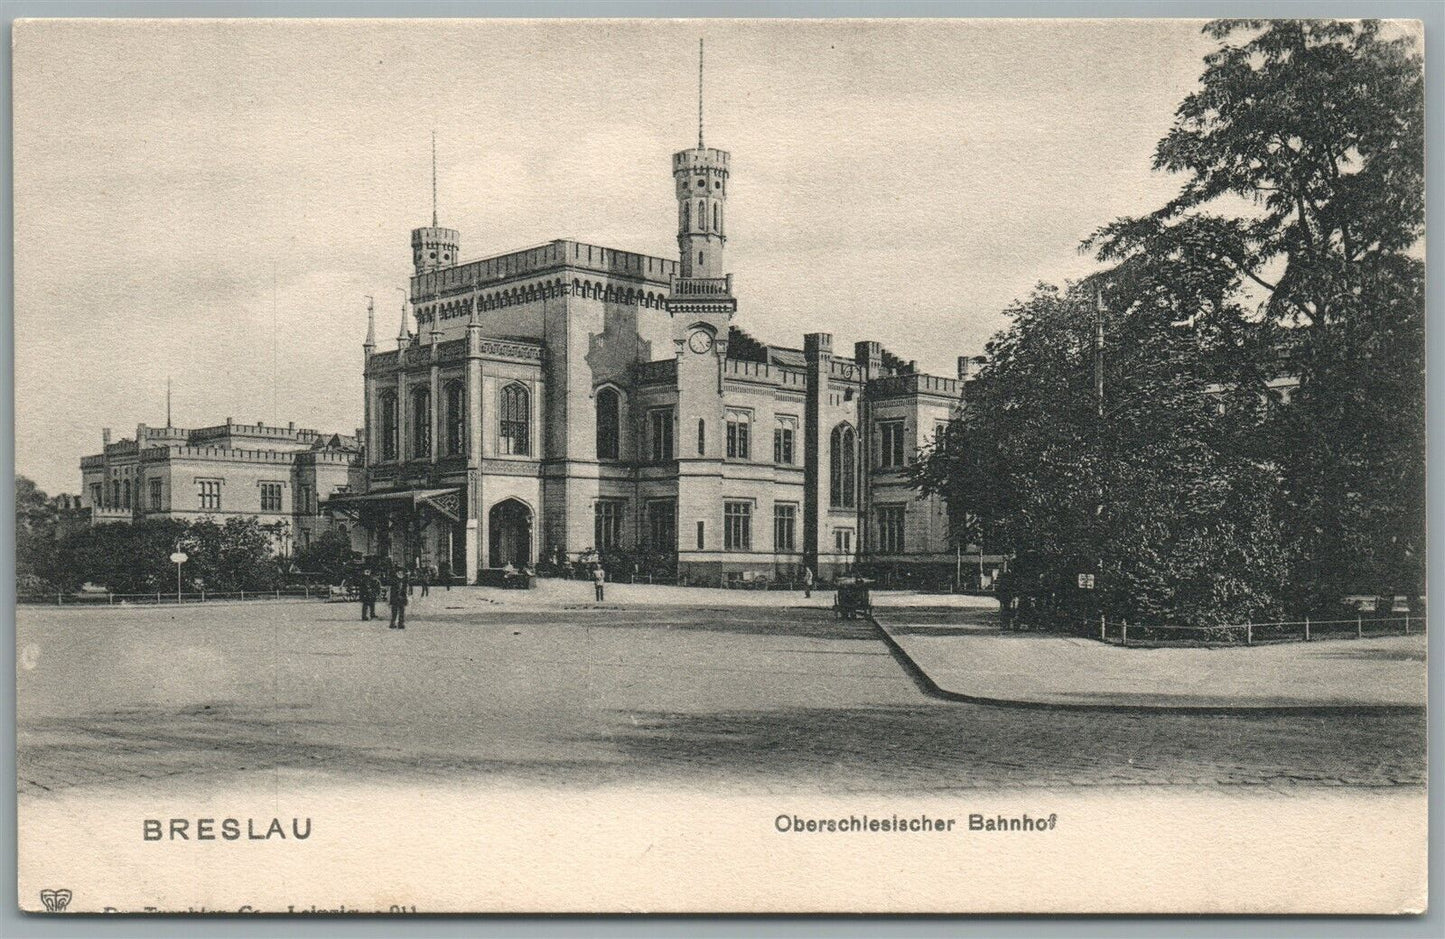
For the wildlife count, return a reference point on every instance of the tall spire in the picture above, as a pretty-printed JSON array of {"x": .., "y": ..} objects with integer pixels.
[
  {"x": 403, "y": 335},
  {"x": 370, "y": 323},
  {"x": 433, "y": 177},
  {"x": 168, "y": 403},
  {"x": 699, "y": 93}
]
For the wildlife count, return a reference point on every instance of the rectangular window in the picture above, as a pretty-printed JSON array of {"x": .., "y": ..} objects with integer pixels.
[
  {"x": 700, "y": 540},
  {"x": 305, "y": 506},
  {"x": 660, "y": 422},
  {"x": 95, "y": 494},
  {"x": 155, "y": 489},
  {"x": 737, "y": 526},
  {"x": 701, "y": 436},
  {"x": 785, "y": 527},
  {"x": 890, "y": 529},
  {"x": 783, "y": 436},
  {"x": 890, "y": 444},
  {"x": 607, "y": 524},
  {"x": 662, "y": 525},
  {"x": 270, "y": 497},
  {"x": 843, "y": 540},
  {"x": 738, "y": 426},
  {"x": 209, "y": 491}
]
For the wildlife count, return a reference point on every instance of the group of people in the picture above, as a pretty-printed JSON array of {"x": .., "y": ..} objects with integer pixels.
[{"x": 401, "y": 583}]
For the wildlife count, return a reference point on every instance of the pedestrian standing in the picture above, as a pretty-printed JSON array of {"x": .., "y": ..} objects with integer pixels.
[
  {"x": 368, "y": 588},
  {"x": 426, "y": 578},
  {"x": 807, "y": 582},
  {"x": 446, "y": 575},
  {"x": 399, "y": 588},
  {"x": 599, "y": 577}
]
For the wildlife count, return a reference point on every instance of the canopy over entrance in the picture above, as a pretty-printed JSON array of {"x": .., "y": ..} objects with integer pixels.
[{"x": 447, "y": 502}]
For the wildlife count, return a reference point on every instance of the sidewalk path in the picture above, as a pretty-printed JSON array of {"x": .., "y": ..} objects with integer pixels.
[
  {"x": 556, "y": 594},
  {"x": 963, "y": 654}
]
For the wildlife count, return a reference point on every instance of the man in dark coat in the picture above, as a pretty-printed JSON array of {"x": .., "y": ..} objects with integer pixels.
[
  {"x": 399, "y": 587},
  {"x": 368, "y": 588}
]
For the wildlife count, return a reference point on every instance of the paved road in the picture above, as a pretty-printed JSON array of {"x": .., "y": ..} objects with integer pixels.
[{"x": 743, "y": 696}]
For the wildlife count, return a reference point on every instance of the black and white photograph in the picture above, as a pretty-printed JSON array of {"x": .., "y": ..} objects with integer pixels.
[{"x": 720, "y": 466}]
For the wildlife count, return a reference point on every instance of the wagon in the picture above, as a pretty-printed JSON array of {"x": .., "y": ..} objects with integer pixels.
[{"x": 852, "y": 598}]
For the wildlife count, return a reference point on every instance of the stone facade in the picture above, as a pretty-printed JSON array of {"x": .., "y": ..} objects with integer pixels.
[
  {"x": 275, "y": 474},
  {"x": 566, "y": 399}
]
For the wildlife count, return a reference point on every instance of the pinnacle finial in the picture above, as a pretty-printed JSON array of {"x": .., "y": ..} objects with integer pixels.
[
  {"x": 434, "y": 177},
  {"x": 403, "y": 334},
  {"x": 699, "y": 93},
  {"x": 370, "y": 322}
]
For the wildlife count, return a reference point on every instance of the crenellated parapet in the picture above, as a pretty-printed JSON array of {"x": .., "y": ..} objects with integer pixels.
[{"x": 914, "y": 385}]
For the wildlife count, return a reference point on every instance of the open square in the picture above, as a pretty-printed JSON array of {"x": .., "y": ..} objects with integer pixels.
[{"x": 739, "y": 689}]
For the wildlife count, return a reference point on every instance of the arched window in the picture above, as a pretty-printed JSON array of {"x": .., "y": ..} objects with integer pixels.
[
  {"x": 125, "y": 499},
  {"x": 421, "y": 423},
  {"x": 456, "y": 416},
  {"x": 609, "y": 423},
  {"x": 386, "y": 404},
  {"x": 716, "y": 216},
  {"x": 516, "y": 420},
  {"x": 115, "y": 493},
  {"x": 843, "y": 461},
  {"x": 702, "y": 215},
  {"x": 686, "y": 216}
]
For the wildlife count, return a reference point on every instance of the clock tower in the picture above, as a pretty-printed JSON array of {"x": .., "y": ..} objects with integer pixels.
[{"x": 701, "y": 300}]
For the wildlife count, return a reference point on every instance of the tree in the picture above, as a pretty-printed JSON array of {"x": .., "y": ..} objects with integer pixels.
[
  {"x": 1320, "y": 125},
  {"x": 1155, "y": 496},
  {"x": 329, "y": 556},
  {"x": 36, "y": 517}
]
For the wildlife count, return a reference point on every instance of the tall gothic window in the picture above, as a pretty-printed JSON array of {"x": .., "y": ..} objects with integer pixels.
[
  {"x": 686, "y": 216},
  {"x": 456, "y": 415},
  {"x": 421, "y": 423},
  {"x": 516, "y": 421},
  {"x": 387, "y": 407},
  {"x": 843, "y": 462},
  {"x": 609, "y": 423}
]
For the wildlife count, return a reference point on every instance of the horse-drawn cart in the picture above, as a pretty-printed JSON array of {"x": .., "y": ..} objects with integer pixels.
[{"x": 852, "y": 598}]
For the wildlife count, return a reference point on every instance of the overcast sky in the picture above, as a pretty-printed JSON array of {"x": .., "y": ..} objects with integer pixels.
[{"x": 897, "y": 181}]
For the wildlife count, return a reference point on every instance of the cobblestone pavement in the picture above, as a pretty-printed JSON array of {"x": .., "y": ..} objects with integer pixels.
[{"x": 750, "y": 698}]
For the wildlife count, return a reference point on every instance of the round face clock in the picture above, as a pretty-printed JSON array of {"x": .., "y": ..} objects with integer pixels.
[{"x": 699, "y": 342}]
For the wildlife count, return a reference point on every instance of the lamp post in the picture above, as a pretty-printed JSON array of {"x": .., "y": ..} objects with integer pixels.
[{"x": 178, "y": 558}]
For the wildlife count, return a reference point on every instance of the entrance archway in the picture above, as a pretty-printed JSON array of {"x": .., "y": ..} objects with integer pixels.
[{"x": 509, "y": 533}]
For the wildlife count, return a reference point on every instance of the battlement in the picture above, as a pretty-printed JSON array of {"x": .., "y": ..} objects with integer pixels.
[
  {"x": 912, "y": 384},
  {"x": 258, "y": 429},
  {"x": 221, "y": 454},
  {"x": 687, "y": 159},
  {"x": 554, "y": 255},
  {"x": 763, "y": 373}
]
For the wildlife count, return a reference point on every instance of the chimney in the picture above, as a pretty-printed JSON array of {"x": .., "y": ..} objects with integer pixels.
[
  {"x": 965, "y": 366},
  {"x": 291, "y": 426},
  {"x": 105, "y": 436}
]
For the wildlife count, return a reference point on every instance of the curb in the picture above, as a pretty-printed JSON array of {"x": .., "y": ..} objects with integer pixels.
[{"x": 932, "y": 688}]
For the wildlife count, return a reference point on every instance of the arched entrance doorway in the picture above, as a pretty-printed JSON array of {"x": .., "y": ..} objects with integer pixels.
[{"x": 509, "y": 532}]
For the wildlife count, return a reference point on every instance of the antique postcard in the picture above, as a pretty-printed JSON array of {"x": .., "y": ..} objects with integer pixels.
[{"x": 965, "y": 466}]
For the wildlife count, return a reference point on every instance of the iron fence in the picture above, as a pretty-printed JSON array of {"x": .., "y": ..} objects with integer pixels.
[
  {"x": 1305, "y": 630},
  {"x": 163, "y": 598}
]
